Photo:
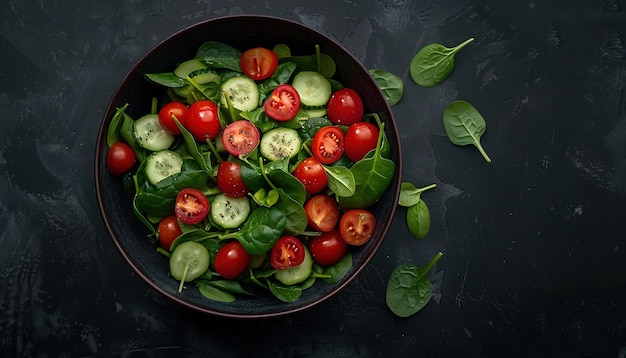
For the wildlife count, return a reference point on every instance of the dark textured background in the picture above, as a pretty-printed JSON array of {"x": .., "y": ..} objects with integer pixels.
[{"x": 534, "y": 243}]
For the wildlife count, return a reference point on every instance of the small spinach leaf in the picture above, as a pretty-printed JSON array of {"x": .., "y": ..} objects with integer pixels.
[
  {"x": 219, "y": 55},
  {"x": 390, "y": 84},
  {"x": 418, "y": 219},
  {"x": 408, "y": 289},
  {"x": 113, "y": 132},
  {"x": 261, "y": 230},
  {"x": 465, "y": 125},
  {"x": 340, "y": 180},
  {"x": 433, "y": 63},
  {"x": 215, "y": 293}
]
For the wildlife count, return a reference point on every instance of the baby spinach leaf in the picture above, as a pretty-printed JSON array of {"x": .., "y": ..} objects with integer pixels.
[
  {"x": 418, "y": 219},
  {"x": 465, "y": 125},
  {"x": 219, "y": 55},
  {"x": 294, "y": 212},
  {"x": 192, "y": 148},
  {"x": 261, "y": 230},
  {"x": 113, "y": 132},
  {"x": 340, "y": 180},
  {"x": 338, "y": 270},
  {"x": 390, "y": 84},
  {"x": 372, "y": 177},
  {"x": 167, "y": 79},
  {"x": 410, "y": 195},
  {"x": 283, "y": 292},
  {"x": 214, "y": 293},
  {"x": 433, "y": 63},
  {"x": 408, "y": 289}
]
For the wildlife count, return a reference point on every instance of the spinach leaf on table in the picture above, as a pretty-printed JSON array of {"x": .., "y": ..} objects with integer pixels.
[
  {"x": 408, "y": 288},
  {"x": 418, "y": 214},
  {"x": 465, "y": 125},
  {"x": 390, "y": 84},
  {"x": 434, "y": 63}
]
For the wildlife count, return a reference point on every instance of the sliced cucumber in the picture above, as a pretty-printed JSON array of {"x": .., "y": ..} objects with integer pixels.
[
  {"x": 162, "y": 164},
  {"x": 280, "y": 143},
  {"x": 315, "y": 112},
  {"x": 313, "y": 88},
  {"x": 151, "y": 135},
  {"x": 242, "y": 91},
  {"x": 294, "y": 275},
  {"x": 184, "y": 69},
  {"x": 204, "y": 76},
  {"x": 229, "y": 213}
]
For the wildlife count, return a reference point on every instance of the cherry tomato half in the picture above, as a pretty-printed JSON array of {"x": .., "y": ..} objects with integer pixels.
[
  {"x": 328, "y": 144},
  {"x": 229, "y": 180},
  {"x": 240, "y": 137},
  {"x": 120, "y": 158},
  {"x": 168, "y": 230},
  {"x": 287, "y": 252},
  {"x": 231, "y": 260},
  {"x": 191, "y": 206},
  {"x": 328, "y": 248},
  {"x": 203, "y": 121},
  {"x": 357, "y": 226},
  {"x": 176, "y": 109},
  {"x": 258, "y": 63},
  {"x": 361, "y": 137},
  {"x": 345, "y": 107},
  {"x": 312, "y": 175},
  {"x": 283, "y": 104},
  {"x": 322, "y": 212}
]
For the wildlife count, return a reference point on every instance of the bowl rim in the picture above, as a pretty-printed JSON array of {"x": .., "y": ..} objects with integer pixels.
[{"x": 98, "y": 162}]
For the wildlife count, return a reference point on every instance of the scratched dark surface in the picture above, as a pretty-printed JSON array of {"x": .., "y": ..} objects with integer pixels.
[{"x": 534, "y": 243}]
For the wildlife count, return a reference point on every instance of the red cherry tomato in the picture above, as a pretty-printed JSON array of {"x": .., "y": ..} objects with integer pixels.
[
  {"x": 287, "y": 252},
  {"x": 231, "y": 260},
  {"x": 258, "y": 63},
  {"x": 229, "y": 180},
  {"x": 203, "y": 121},
  {"x": 345, "y": 107},
  {"x": 283, "y": 104},
  {"x": 312, "y": 175},
  {"x": 322, "y": 212},
  {"x": 168, "y": 230},
  {"x": 357, "y": 226},
  {"x": 361, "y": 137},
  {"x": 328, "y": 248},
  {"x": 120, "y": 158},
  {"x": 240, "y": 137},
  {"x": 176, "y": 109},
  {"x": 328, "y": 144},
  {"x": 191, "y": 206}
]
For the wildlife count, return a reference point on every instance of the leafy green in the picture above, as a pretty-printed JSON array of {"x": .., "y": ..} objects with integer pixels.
[
  {"x": 417, "y": 215},
  {"x": 465, "y": 125},
  {"x": 408, "y": 288},
  {"x": 372, "y": 176},
  {"x": 390, "y": 84},
  {"x": 113, "y": 132},
  {"x": 167, "y": 79},
  {"x": 434, "y": 63},
  {"x": 340, "y": 180},
  {"x": 219, "y": 55},
  {"x": 261, "y": 230}
]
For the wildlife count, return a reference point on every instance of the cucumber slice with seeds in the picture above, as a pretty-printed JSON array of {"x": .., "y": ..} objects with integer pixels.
[
  {"x": 242, "y": 91},
  {"x": 313, "y": 88},
  {"x": 229, "y": 213},
  {"x": 163, "y": 164},
  {"x": 151, "y": 135},
  {"x": 280, "y": 143}
]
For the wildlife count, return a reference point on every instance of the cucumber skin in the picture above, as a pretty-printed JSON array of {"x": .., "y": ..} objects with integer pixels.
[{"x": 295, "y": 275}]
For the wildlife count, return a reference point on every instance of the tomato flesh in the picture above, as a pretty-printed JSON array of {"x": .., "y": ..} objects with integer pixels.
[
  {"x": 361, "y": 137},
  {"x": 283, "y": 104},
  {"x": 328, "y": 248},
  {"x": 312, "y": 175},
  {"x": 168, "y": 231},
  {"x": 328, "y": 144},
  {"x": 240, "y": 137},
  {"x": 175, "y": 109},
  {"x": 229, "y": 180},
  {"x": 203, "y": 121},
  {"x": 322, "y": 212},
  {"x": 120, "y": 158},
  {"x": 287, "y": 252},
  {"x": 231, "y": 260},
  {"x": 191, "y": 206},
  {"x": 357, "y": 226},
  {"x": 258, "y": 63},
  {"x": 345, "y": 107}
]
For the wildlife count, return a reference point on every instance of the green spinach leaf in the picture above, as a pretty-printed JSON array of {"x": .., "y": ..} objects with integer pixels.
[
  {"x": 283, "y": 292},
  {"x": 340, "y": 180},
  {"x": 465, "y": 125},
  {"x": 214, "y": 293},
  {"x": 433, "y": 63},
  {"x": 261, "y": 230},
  {"x": 219, "y": 55},
  {"x": 408, "y": 288},
  {"x": 390, "y": 84},
  {"x": 113, "y": 132},
  {"x": 167, "y": 79},
  {"x": 418, "y": 214}
]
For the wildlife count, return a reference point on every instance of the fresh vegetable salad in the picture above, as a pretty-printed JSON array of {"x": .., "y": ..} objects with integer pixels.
[{"x": 254, "y": 172}]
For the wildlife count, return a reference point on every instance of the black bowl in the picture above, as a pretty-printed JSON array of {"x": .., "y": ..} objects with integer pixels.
[{"x": 243, "y": 32}]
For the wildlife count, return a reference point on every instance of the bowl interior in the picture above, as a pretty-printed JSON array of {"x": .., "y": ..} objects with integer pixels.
[{"x": 243, "y": 32}]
